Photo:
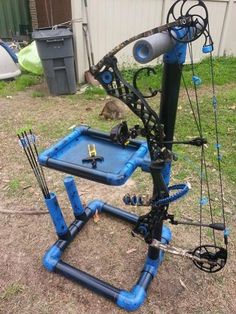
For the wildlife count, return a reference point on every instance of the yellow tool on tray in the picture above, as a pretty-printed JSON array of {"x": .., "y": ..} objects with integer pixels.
[
  {"x": 92, "y": 150},
  {"x": 93, "y": 158}
]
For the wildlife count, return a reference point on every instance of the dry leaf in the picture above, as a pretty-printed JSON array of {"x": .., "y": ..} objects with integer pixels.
[
  {"x": 131, "y": 251},
  {"x": 96, "y": 217},
  {"x": 228, "y": 210},
  {"x": 183, "y": 284}
]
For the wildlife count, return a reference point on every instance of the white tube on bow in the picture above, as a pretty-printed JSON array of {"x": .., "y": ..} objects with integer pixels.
[{"x": 145, "y": 50}]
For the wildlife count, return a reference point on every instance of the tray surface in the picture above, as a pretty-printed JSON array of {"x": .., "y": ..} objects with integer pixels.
[
  {"x": 118, "y": 165},
  {"x": 115, "y": 156}
]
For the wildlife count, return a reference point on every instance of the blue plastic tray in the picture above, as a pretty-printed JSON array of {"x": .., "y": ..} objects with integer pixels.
[{"x": 118, "y": 165}]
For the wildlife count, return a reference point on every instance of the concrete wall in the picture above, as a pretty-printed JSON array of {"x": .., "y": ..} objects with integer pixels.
[{"x": 112, "y": 21}]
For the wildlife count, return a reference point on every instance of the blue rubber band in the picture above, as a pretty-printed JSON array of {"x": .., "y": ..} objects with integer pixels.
[
  {"x": 204, "y": 201},
  {"x": 196, "y": 80},
  {"x": 214, "y": 101},
  {"x": 207, "y": 48},
  {"x": 226, "y": 232}
]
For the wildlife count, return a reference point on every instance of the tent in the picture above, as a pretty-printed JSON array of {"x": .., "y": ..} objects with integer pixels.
[{"x": 8, "y": 63}]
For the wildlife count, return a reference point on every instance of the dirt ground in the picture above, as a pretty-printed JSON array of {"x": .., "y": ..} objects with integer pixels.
[{"x": 105, "y": 249}]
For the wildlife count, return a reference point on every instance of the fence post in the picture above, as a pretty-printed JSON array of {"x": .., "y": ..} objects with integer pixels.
[
  {"x": 225, "y": 27},
  {"x": 77, "y": 18}
]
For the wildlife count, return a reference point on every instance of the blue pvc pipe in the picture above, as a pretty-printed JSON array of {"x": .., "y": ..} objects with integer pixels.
[
  {"x": 52, "y": 257},
  {"x": 132, "y": 300},
  {"x": 57, "y": 216},
  {"x": 54, "y": 253},
  {"x": 73, "y": 196},
  {"x": 127, "y": 300},
  {"x": 96, "y": 205},
  {"x": 43, "y": 157}
]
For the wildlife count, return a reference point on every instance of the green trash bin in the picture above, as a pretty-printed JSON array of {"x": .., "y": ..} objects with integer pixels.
[{"x": 55, "y": 49}]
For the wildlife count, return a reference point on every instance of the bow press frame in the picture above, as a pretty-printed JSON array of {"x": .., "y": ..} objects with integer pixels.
[
  {"x": 70, "y": 155},
  {"x": 52, "y": 158}
]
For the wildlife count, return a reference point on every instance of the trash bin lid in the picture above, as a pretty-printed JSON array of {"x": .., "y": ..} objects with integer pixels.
[{"x": 49, "y": 33}]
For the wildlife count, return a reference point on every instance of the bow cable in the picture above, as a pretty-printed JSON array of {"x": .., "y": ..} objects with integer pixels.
[
  {"x": 203, "y": 157},
  {"x": 197, "y": 118},
  {"x": 219, "y": 158}
]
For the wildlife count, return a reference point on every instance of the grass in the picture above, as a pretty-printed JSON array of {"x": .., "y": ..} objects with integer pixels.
[
  {"x": 37, "y": 94},
  {"x": 11, "y": 291},
  {"x": 58, "y": 130},
  {"x": 93, "y": 92},
  {"x": 226, "y": 123},
  {"x": 225, "y": 73},
  {"x": 14, "y": 185},
  {"x": 8, "y": 88},
  {"x": 224, "y": 69}
]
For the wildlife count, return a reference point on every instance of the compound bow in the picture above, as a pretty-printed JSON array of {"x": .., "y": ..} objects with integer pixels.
[{"x": 192, "y": 24}]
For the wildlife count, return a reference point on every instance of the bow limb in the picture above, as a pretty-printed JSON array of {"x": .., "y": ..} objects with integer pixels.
[{"x": 185, "y": 21}]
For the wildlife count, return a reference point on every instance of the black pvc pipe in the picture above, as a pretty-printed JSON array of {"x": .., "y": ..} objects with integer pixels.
[
  {"x": 120, "y": 213},
  {"x": 74, "y": 229},
  {"x": 145, "y": 280},
  {"x": 159, "y": 186},
  {"x": 169, "y": 99},
  {"x": 88, "y": 281},
  {"x": 77, "y": 225},
  {"x": 168, "y": 108}
]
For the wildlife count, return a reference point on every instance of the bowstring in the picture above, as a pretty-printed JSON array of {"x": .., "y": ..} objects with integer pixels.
[
  {"x": 197, "y": 119},
  {"x": 204, "y": 171},
  {"x": 203, "y": 162},
  {"x": 189, "y": 99},
  {"x": 214, "y": 102}
]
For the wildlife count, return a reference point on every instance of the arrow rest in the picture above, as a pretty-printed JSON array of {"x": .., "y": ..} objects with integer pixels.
[{"x": 120, "y": 133}]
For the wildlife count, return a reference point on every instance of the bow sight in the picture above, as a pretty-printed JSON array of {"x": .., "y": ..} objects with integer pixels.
[{"x": 186, "y": 22}]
